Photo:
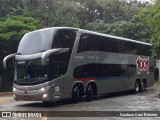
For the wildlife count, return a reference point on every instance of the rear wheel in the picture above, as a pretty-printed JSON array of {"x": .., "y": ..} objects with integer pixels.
[
  {"x": 143, "y": 86},
  {"x": 89, "y": 93},
  {"x": 137, "y": 87}
]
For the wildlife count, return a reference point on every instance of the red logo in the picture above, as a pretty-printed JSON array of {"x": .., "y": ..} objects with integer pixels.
[{"x": 142, "y": 65}]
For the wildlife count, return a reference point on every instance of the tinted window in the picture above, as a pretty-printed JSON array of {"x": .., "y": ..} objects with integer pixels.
[
  {"x": 64, "y": 38},
  {"x": 58, "y": 65},
  {"x": 104, "y": 70},
  {"x": 143, "y": 50},
  {"x": 90, "y": 42}
]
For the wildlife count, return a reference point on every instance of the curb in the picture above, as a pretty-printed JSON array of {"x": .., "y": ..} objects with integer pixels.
[{"x": 6, "y": 93}]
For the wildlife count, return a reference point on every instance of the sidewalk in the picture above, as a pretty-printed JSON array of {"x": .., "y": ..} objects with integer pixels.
[
  {"x": 6, "y": 93},
  {"x": 6, "y": 96}
]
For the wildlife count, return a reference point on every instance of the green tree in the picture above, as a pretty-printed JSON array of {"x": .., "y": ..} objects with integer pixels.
[
  {"x": 11, "y": 31},
  {"x": 8, "y": 7},
  {"x": 137, "y": 31},
  {"x": 14, "y": 27},
  {"x": 153, "y": 18},
  {"x": 54, "y": 12}
]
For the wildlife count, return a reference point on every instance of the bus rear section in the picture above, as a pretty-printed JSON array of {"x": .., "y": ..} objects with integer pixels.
[{"x": 105, "y": 64}]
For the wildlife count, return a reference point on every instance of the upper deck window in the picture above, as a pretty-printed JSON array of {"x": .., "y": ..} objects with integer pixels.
[
  {"x": 64, "y": 38},
  {"x": 92, "y": 42},
  {"x": 43, "y": 40}
]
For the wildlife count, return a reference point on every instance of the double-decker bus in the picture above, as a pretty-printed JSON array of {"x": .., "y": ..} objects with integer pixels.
[{"x": 63, "y": 62}]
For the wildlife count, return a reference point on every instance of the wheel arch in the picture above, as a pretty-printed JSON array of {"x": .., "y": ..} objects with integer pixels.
[{"x": 138, "y": 79}]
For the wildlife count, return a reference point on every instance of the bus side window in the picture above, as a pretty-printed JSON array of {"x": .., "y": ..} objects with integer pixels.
[
  {"x": 113, "y": 45},
  {"x": 64, "y": 39},
  {"x": 82, "y": 43},
  {"x": 90, "y": 42}
]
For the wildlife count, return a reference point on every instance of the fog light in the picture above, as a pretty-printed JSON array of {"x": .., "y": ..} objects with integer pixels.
[
  {"x": 14, "y": 96},
  {"x": 45, "y": 96}
]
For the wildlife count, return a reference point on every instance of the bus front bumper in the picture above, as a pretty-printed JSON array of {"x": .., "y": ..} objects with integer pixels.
[{"x": 32, "y": 95}]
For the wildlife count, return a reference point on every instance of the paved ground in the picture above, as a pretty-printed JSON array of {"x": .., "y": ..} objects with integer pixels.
[{"x": 147, "y": 101}]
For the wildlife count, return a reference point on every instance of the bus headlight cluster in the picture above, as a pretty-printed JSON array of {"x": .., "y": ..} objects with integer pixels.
[
  {"x": 45, "y": 96},
  {"x": 14, "y": 89},
  {"x": 42, "y": 89}
]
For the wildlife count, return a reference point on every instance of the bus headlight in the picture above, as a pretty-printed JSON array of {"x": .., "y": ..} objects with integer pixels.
[
  {"x": 14, "y": 89},
  {"x": 42, "y": 89},
  {"x": 45, "y": 96}
]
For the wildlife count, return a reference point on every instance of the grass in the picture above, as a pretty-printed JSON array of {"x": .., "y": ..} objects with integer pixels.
[
  {"x": 157, "y": 82},
  {"x": 9, "y": 89}
]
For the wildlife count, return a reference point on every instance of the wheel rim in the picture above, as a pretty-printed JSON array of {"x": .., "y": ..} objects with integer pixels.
[
  {"x": 137, "y": 87},
  {"x": 142, "y": 86},
  {"x": 89, "y": 94},
  {"x": 77, "y": 94}
]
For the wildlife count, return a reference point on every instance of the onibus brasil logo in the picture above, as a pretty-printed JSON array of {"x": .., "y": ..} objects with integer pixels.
[{"x": 142, "y": 64}]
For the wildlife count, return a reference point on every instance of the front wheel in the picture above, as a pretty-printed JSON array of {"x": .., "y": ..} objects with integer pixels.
[{"x": 75, "y": 95}]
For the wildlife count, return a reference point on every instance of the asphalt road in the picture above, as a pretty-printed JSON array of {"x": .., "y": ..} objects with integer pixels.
[{"x": 118, "y": 106}]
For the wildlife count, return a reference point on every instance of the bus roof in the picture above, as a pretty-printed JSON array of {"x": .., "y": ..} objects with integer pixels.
[{"x": 96, "y": 33}]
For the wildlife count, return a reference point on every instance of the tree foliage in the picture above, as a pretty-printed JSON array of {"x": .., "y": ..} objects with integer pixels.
[
  {"x": 14, "y": 27},
  {"x": 153, "y": 19},
  {"x": 129, "y": 23}
]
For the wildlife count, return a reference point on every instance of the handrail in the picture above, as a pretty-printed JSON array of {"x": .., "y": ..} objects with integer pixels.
[
  {"x": 6, "y": 58},
  {"x": 49, "y": 52},
  {"x": 29, "y": 57},
  {"x": 42, "y": 55}
]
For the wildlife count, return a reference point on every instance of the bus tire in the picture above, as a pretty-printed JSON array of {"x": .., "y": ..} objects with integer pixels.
[
  {"x": 89, "y": 93},
  {"x": 75, "y": 94},
  {"x": 46, "y": 103},
  {"x": 137, "y": 87},
  {"x": 143, "y": 86}
]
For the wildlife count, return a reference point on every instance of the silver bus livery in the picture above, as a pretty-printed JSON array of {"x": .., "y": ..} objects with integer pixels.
[{"x": 63, "y": 62}]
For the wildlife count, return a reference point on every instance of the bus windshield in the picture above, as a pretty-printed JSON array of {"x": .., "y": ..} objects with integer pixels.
[
  {"x": 30, "y": 72},
  {"x": 36, "y": 42}
]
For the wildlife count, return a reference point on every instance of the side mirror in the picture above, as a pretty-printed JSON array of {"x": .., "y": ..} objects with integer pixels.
[
  {"x": 52, "y": 51},
  {"x": 6, "y": 58}
]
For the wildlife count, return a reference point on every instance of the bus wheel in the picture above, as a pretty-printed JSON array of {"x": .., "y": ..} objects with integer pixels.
[
  {"x": 89, "y": 93},
  {"x": 143, "y": 86},
  {"x": 46, "y": 103},
  {"x": 137, "y": 87},
  {"x": 75, "y": 94}
]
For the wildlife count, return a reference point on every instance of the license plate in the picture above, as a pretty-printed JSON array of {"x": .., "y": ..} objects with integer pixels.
[{"x": 27, "y": 98}]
